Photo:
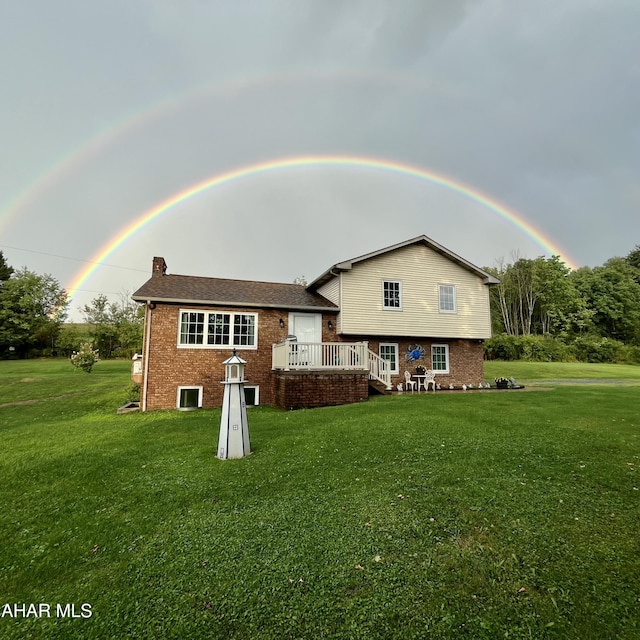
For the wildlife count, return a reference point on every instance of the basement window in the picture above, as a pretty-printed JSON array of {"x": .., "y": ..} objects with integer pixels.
[
  {"x": 189, "y": 398},
  {"x": 252, "y": 396}
]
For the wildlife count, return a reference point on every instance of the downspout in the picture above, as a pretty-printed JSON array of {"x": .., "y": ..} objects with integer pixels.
[{"x": 147, "y": 333}]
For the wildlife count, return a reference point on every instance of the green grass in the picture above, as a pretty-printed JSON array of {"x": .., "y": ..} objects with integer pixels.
[
  {"x": 545, "y": 373},
  {"x": 480, "y": 515}
]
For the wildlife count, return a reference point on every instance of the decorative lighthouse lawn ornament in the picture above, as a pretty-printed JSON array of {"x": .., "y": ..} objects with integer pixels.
[{"x": 234, "y": 428}]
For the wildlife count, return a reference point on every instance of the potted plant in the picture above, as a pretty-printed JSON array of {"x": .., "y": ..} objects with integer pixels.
[{"x": 420, "y": 370}]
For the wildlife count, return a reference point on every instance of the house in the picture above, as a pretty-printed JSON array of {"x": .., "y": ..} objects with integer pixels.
[{"x": 348, "y": 333}]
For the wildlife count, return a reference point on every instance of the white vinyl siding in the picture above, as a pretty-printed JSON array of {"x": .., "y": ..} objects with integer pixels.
[
  {"x": 331, "y": 290},
  {"x": 421, "y": 270}
]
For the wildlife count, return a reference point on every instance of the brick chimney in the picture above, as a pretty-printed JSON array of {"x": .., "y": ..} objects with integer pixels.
[{"x": 159, "y": 267}]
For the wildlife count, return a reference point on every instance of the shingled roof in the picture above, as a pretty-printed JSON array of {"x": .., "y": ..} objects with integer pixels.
[{"x": 234, "y": 293}]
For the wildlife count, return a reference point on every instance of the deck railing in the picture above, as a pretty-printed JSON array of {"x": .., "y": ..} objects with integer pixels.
[
  {"x": 337, "y": 356},
  {"x": 379, "y": 369}
]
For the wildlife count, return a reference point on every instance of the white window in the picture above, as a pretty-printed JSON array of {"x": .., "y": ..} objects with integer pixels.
[
  {"x": 447, "y": 298},
  {"x": 215, "y": 329},
  {"x": 440, "y": 358},
  {"x": 391, "y": 294},
  {"x": 389, "y": 352},
  {"x": 189, "y": 398},
  {"x": 191, "y": 327},
  {"x": 252, "y": 395}
]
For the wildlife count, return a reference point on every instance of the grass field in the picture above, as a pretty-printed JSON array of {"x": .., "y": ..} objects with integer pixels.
[{"x": 480, "y": 515}]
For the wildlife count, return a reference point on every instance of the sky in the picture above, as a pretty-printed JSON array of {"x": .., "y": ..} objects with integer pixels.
[{"x": 527, "y": 110}]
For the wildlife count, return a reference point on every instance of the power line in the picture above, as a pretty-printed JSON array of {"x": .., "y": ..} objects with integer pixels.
[
  {"x": 110, "y": 293},
  {"x": 55, "y": 255}
]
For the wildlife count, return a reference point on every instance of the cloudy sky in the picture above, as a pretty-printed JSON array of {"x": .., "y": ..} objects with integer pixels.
[{"x": 110, "y": 108}]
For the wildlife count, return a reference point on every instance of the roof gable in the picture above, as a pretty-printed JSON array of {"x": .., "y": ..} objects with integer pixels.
[{"x": 424, "y": 240}]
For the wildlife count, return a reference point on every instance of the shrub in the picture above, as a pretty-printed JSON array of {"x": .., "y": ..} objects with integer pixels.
[
  {"x": 85, "y": 358},
  {"x": 543, "y": 349},
  {"x": 533, "y": 348},
  {"x": 593, "y": 348},
  {"x": 133, "y": 392},
  {"x": 503, "y": 347},
  {"x": 629, "y": 354}
]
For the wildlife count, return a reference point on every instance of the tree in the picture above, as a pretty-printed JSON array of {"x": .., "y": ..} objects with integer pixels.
[
  {"x": 535, "y": 297},
  {"x": 613, "y": 295},
  {"x": 633, "y": 259},
  {"x": 500, "y": 300},
  {"x": 560, "y": 308},
  {"x": 5, "y": 270},
  {"x": 32, "y": 309},
  {"x": 116, "y": 327}
]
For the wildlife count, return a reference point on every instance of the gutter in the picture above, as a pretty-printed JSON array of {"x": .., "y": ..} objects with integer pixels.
[{"x": 251, "y": 305}]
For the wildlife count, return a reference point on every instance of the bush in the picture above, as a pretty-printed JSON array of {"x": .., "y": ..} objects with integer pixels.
[
  {"x": 503, "y": 347},
  {"x": 85, "y": 358},
  {"x": 593, "y": 348},
  {"x": 532, "y": 348},
  {"x": 133, "y": 392},
  {"x": 629, "y": 354},
  {"x": 543, "y": 349},
  {"x": 584, "y": 348}
]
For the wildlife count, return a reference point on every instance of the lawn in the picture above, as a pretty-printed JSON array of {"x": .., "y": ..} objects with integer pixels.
[{"x": 480, "y": 515}]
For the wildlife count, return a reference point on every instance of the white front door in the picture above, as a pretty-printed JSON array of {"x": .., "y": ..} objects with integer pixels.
[{"x": 306, "y": 327}]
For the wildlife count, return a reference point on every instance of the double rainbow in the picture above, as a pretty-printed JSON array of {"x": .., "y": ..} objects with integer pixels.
[{"x": 217, "y": 180}]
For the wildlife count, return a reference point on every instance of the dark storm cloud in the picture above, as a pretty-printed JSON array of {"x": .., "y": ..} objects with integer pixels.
[{"x": 533, "y": 103}]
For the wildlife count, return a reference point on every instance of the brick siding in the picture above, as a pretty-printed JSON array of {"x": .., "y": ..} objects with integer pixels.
[
  {"x": 466, "y": 358},
  {"x": 170, "y": 367},
  {"x": 302, "y": 389}
]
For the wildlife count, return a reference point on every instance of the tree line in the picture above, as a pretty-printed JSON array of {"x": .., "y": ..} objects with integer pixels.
[
  {"x": 33, "y": 311},
  {"x": 540, "y": 310}
]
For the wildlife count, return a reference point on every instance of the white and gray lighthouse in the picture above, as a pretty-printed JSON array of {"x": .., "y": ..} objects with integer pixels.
[{"x": 234, "y": 427}]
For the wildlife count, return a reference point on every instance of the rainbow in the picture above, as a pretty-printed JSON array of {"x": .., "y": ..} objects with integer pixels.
[
  {"x": 165, "y": 206},
  {"x": 108, "y": 137}
]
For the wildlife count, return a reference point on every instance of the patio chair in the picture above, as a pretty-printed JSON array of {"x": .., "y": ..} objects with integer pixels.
[
  {"x": 408, "y": 382},
  {"x": 429, "y": 379}
]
